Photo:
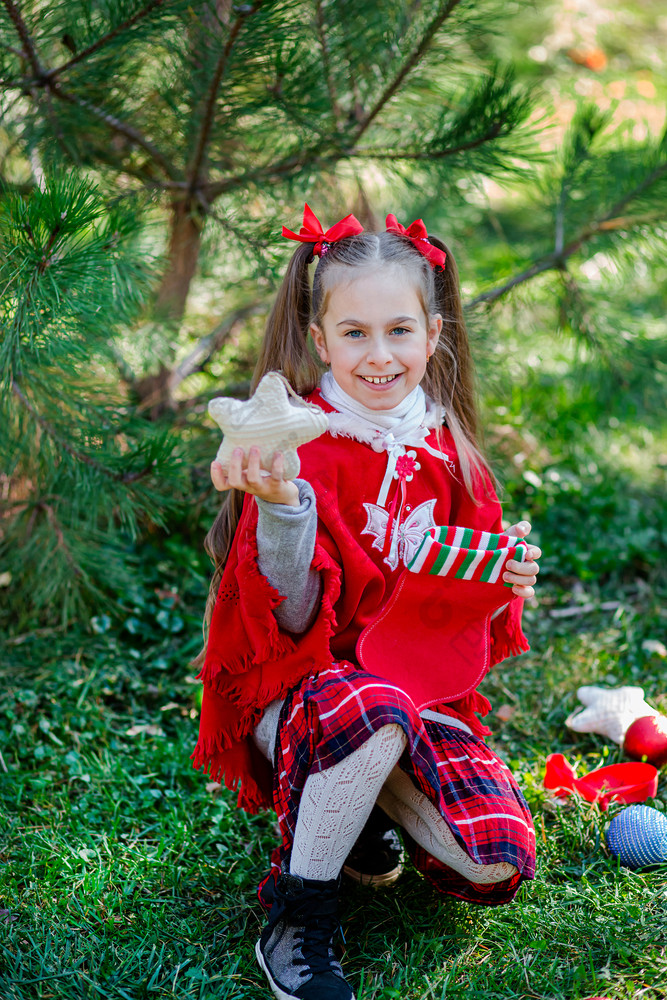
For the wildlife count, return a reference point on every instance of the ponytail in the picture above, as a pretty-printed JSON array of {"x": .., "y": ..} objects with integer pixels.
[
  {"x": 285, "y": 344},
  {"x": 450, "y": 379},
  {"x": 284, "y": 348}
]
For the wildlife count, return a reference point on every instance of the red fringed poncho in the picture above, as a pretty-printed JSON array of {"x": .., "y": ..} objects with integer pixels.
[{"x": 250, "y": 661}]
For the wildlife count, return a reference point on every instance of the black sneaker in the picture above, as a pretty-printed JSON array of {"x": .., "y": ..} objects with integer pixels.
[
  {"x": 376, "y": 858},
  {"x": 295, "y": 950}
]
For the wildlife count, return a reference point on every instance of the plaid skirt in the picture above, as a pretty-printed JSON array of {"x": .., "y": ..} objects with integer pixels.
[{"x": 331, "y": 714}]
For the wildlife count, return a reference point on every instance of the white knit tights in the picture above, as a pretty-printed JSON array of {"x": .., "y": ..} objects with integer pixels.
[
  {"x": 336, "y": 803},
  {"x": 410, "y": 808}
]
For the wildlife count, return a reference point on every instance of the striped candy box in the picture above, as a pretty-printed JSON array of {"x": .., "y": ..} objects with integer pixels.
[{"x": 466, "y": 554}]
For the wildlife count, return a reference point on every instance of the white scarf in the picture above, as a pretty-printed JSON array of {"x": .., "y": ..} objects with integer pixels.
[{"x": 409, "y": 423}]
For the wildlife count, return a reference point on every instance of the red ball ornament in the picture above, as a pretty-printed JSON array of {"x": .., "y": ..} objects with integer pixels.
[{"x": 647, "y": 737}]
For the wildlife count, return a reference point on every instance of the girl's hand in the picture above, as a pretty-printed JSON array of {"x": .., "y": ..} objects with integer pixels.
[
  {"x": 247, "y": 475},
  {"x": 522, "y": 574}
]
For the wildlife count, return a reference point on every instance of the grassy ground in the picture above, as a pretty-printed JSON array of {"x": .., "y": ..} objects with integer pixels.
[{"x": 121, "y": 876}]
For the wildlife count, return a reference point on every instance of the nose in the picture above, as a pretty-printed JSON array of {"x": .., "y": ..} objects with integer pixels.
[{"x": 379, "y": 352}]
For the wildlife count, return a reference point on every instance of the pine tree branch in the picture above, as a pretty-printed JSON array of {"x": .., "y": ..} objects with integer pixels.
[
  {"x": 101, "y": 42},
  {"x": 655, "y": 175},
  {"x": 243, "y": 13},
  {"x": 494, "y": 130},
  {"x": 121, "y": 477},
  {"x": 314, "y": 155},
  {"x": 544, "y": 264},
  {"x": 60, "y": 537},
  {"x": 557, "y": 260},
  {"x": 43, "y": 79},
  {"x": 55, "y": 124},
  {"x": 15, "y": 52},
  {"x": 207, "y": 347},
  {"x": 113, "y": 123},
  {"x": 317, "y": 156},
  {"x": 116, "y": 125},
  {"x": 560, "y": 220},
  {"x": 46, "y": 256},
  {"x": 326, "y": 63},
  {"x": 584, "y": 322},
  {"x": 269, "y": 172},
  {"x": 139, "y": 173},
  {"x": 413, "y": 59},
  {"x": 257, "y": 246},
  {"x": 30, "y": 52},
  {"x": 126, "y": 372}
]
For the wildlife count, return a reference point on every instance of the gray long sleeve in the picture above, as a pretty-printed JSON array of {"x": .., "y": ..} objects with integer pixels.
[{"x": 285, "y": 546}]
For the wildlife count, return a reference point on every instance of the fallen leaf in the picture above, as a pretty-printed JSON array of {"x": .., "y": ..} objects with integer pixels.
[
  {"x": 594, "y": 59},
  {"x": 149, "y": 730},
  {"x": 652, "y": 646}
]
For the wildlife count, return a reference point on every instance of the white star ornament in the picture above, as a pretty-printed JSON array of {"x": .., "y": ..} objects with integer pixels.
[
  {"x": 609, "y": 711},
  {"x": 274, "y": 419}
]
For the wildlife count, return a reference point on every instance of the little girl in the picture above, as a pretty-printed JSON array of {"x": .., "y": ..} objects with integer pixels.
[{"x": 289, "y": 717}]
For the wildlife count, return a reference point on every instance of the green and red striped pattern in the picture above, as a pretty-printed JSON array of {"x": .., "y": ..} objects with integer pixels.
[{"x": 466, "y": 554}]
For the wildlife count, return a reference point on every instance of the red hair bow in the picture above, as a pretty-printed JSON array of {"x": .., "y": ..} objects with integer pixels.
[
  {"x": 417, "y": 233},
  {"x": 312, "y": 232}
]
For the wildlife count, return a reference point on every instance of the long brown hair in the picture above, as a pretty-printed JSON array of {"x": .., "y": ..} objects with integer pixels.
[{"x": 448, "y": 380}]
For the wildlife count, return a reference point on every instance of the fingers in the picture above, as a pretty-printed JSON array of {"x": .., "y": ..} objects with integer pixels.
[
  {"x": 521, "y": 572},
  {"x": 230, "y": 476},
  {"x": 254, "y": 475},
  {"x": 254, "y": 479},
  {"x": 278, "y": 467},
  {"x": 249, "y": 479},
  {"x": 523, "y": 576},
  {"x": 219, "y": 477},
  {"x": 519, "y": 530}
]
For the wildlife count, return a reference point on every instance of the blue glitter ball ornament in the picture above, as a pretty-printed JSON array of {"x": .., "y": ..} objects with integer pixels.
[{"x": 638, "y": 837}]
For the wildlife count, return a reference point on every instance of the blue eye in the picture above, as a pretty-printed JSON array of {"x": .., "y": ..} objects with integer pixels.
[
  {"x": 354, "y": 334},
  {"x": 400, "y": 330}
]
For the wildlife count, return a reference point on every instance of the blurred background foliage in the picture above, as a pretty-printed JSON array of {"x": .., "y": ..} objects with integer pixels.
[{"x": 149, "y": 153}]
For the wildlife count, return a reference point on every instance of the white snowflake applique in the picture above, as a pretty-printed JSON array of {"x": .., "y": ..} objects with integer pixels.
[{"x": 406, "y": 535}]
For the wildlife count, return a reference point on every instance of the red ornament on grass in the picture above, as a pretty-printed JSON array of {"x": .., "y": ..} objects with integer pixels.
[{"x": 647, "y": 737}]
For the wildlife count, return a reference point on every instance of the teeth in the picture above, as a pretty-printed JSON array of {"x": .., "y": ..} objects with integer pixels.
[{"x": 378, "y": 379}]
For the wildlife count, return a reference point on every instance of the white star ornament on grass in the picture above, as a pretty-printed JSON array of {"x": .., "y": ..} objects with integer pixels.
[
  {"x": 609, "y": 711},
  {"x": 274, "y": 419}
]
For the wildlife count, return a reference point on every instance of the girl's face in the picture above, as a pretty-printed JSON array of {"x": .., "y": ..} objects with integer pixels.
[{"x": 376, "y": 337}]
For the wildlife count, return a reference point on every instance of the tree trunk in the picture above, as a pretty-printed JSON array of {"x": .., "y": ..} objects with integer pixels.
[{"x": 184, "y": 244}]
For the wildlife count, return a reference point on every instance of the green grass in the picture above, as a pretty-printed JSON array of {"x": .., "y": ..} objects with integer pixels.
[{"x": 122, "y": 877}]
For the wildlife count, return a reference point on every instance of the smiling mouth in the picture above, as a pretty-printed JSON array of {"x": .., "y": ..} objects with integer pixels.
[{"x": 379, "y": 379}]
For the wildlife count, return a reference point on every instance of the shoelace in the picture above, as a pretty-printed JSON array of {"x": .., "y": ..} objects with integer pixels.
[{"x": 316, "y": 921}]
